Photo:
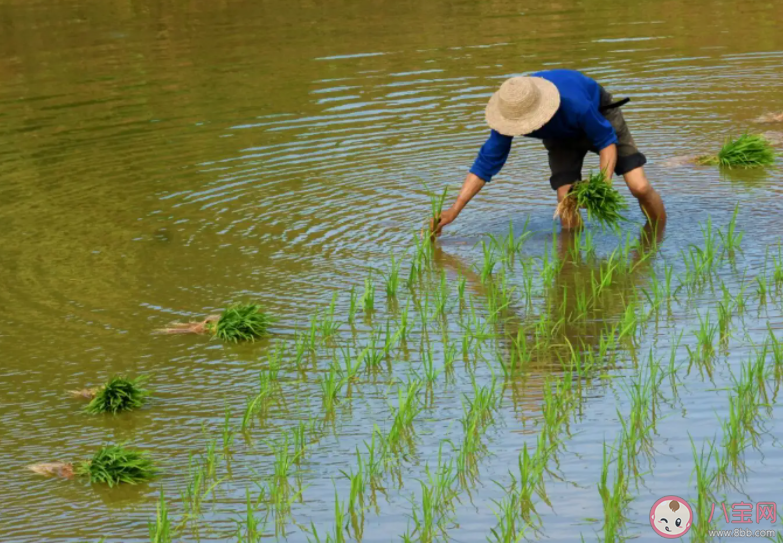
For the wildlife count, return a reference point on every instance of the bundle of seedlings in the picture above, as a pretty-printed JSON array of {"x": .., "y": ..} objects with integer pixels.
[
  {"x": 117, "y": 395},
  {"x": 747, "y": 151},
  {"x": 111, "y": 465},
  {"x": 239, "y": 322},
  {"x": 596, "y": 194}
]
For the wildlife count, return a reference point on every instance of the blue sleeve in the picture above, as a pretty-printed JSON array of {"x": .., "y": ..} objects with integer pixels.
[
  {"x": 492, "y": 156},
  {"x": 598, "y": 128}
]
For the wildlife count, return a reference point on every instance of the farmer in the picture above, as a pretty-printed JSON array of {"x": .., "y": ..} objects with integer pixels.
[{"x": 572, "y": 114}]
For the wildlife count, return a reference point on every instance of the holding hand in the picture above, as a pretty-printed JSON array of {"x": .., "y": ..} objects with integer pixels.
[{"x": 446, "y": 217}]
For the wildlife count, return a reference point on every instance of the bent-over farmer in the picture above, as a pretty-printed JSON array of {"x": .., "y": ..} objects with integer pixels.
[{"x": 572, "y": 114}]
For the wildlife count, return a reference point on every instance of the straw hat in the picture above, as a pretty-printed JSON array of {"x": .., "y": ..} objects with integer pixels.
[{"x": 522, "y": 105}]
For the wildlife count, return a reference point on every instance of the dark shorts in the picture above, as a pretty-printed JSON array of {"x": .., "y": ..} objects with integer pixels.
[{"x": 566, "y": 157}]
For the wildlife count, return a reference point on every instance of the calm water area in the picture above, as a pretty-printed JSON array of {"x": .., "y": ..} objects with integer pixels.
[{"x": 160, "y": 160}]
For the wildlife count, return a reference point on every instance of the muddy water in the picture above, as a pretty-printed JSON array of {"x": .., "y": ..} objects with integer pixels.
[{"x": 161, "y": 161}]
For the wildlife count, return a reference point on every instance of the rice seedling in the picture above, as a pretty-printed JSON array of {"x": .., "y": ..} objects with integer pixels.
[
  {"x": 227, "y": 432},
  {"x": 461, "y": 282},
  {"x": 338, "y": 536},
  {"x": 331, "y": 385},
  {"x": 441, "y": 296},
  {"x": 393, "y": 278},
  {"x": 705, "y": 337},
  {"x": 286, "y": 457},
  {"x": 436, "y": 205},
  {"x": 511, "y": 244},
  {"x": 368, "y": 297},
  {"x": 615, "y": 498},
  {"x": 242, "y": 322},
  {"x": 119, "y": 394},
  {"x": 259, "y": 403},
  {"x": 746, "y": 151},
  {"x": 602, "y": 201},
  {"x": 408, "y": 407},
  {"x": 356, "y": 499},
  {"x": 761, "y": 288},
  {"x": 508, "y": 529},
  {"x": 489, "y": 262},
  {"x": 328, "y": 325},
  {"x": 431, "y": 372},
  {"x": 731, "y": 239},
  {"x": 160, "y": 530},
  {"x": 354, "y": 298},
  {"x": 114, "y": 464},
  {"x": 253, "y": 527},
  {"x": 705, "y": 497},
  {"x": 434, "y": 512}
]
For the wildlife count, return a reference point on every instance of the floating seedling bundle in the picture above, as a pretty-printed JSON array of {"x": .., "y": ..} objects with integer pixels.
[
  {"x": 239, "y": 322},
  {"x": 747, "y": 151},
  {"x": 602, "y": 201},
  {"x": 111, "y": 465},
  {"x": 242, "y": 322},
  {"x": 117, "y": 395}
]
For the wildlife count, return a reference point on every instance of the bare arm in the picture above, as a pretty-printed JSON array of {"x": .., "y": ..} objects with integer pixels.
[
  {"x": 608, "y": 160},
  {"x": 472, "y": 185}
]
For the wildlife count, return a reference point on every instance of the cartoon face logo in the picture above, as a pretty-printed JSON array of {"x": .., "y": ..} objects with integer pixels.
[{"x": 671, "y": 517}]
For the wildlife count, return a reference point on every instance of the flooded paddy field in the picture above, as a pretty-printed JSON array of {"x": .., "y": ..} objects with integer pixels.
[{"x": 162, "y": 161}]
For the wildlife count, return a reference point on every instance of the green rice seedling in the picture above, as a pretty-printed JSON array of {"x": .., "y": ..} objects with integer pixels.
[
  {"x": 731, "y": 239},
  {"x": 253, "y": 527},
  {"x": 530, "y": 481},
  {"x": 510, "y": 245},
  {"x": 441, "y": 296},
  {"x": 227, "y": 433},
  {"x": 705, "y": 483},
  {"x": 242, "y": 322},
  {"x": 705, "y": 336},
  {"x": 286, "y": 458},
  {"x": 436, "y": 205},
  {"x": 393, "y": 278},
  {"x": 489, "y": 262},
  {"x": 368, "y": 298},
  {"x": 413, "y": 275},
  {"x": 371, "y": 355},
  {"x": 260, "y": 402},
  {"x": 160, "y": 530},
  {"x": 210, "y": 458},
  {"x": 356, "y": 500},
  {"x": 761, "y": 288},
  {"x": 409, "y": 405},
  {"x": 509, "y": 529},
  {"x": 725, "y": 308},
  {"x": 437, "y": 496},
  {"x": 402, "y": 328},
  {"x": 461, "y": 282},
  {"x": 300, "y": 442},
  {"x": 602, "y": 201},
  {"x": 351, "y": 365},
  {"x": 672, "y": 371},
  {"x": 119, "y": 394},
  {"x": 331, "y": 385},
  {"x": 449, "y": 356},
  {"x": 114, "y": 464},
  {"x": 338, "y": 536},
  {"x": 431, "y": 372},
  {"x": 390, "y": 340},
  {"x": 615, "y": 498},
  {"x": 735, "y": 439},
  {"x": 353, "y": 303},
  {"x": 746, "y": 151},
  {"x": 328, "y": 325}
]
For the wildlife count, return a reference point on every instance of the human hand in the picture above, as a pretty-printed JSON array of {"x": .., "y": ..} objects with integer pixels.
[{"x": 446, "y": 217}]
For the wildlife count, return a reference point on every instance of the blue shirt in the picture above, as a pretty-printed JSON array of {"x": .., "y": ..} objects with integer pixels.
[{"x": 577, "y": 116}]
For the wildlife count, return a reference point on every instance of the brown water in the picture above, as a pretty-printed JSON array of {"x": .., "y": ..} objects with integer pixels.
[{"x": 160, "y": 160}]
